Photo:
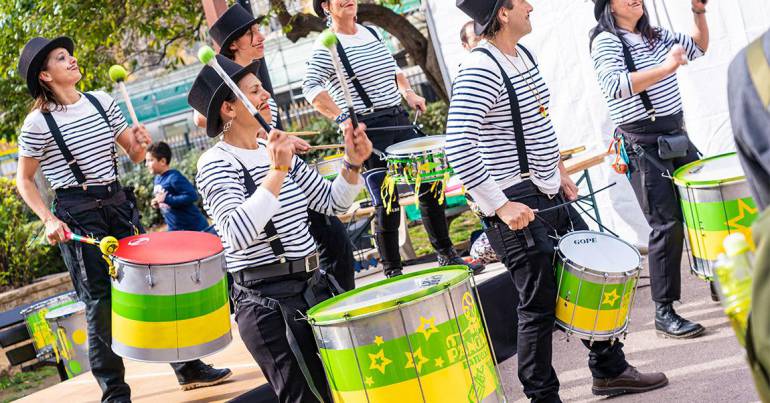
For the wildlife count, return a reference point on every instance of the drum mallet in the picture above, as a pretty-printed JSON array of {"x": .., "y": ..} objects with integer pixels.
[
  {"x": 207, "y": 56},
  {"x": 328, "y": 40},
  {"x": 108, "y": 245},
  {"x": 118, "y": 74}
]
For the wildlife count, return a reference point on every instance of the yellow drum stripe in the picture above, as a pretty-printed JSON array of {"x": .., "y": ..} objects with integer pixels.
[
  {"x": 584, "y": 318},
  {"x": 192, "y": 332},
  {"x": 708, "y": 244},
  {"x": 451, "y": 384}
]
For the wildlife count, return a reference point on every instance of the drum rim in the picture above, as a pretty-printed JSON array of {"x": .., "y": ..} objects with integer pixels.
[
  {"x": 153, "y": 265},
  {"x": 571, "y": 264},
  {"x": 82, "y": 304},
  {"x": 315, "y": 317},
  {"x": 707, "y": 183},
  {"x": 42, "y": 304},
  {"x": 389, "y": 150}
]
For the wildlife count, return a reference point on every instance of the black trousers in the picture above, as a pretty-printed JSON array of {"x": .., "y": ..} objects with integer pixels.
[
  {"x": 386, "y": 224},
  {"x": 528, "y": 254},
  {"x": 90, "y": 276},
  {"x": 264, "y": 331},
  {"x": 661, "y": 206},
  {"x": 334, "y": 248}
]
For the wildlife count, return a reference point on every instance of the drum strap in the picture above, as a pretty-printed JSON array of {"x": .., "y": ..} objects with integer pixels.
[
  {"x": 518, "y": 127},
  {"x": 759, "y": 70},
  {"x": 631, "y": 66},
  {"x": 352, "y": 74}
]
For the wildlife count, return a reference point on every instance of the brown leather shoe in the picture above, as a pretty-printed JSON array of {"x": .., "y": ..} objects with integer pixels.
[{"x": 630, "y": 381}]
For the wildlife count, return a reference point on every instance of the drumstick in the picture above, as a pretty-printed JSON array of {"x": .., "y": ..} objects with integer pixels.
[
  {"x": 207, "y": 56},
  {"x": 327, "y": 147},
  {"x": 388, "y": 128},
  {"x": 118, "y": 74},
  {"x": 108, "y": 245},
  {"x": 329, "y": 40},
  {"x": 303, "y": 134}
]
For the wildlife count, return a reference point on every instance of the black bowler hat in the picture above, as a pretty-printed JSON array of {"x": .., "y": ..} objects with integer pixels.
[
  {"x": 483, "y": 12},
  {"x": 33, "y": 55},
  {"x": 235, "y": 22},
  {"x": 599, "y": 6},
  {"x": 318, "y": 9},
  {"x": 209, "y": 91}
]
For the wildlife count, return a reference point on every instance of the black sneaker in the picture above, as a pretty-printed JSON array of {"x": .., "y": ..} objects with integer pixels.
[
  {"x": 200, "y": 375},
  {"x": 393, "y": 272},
  {"x": 451, "y": 258}
]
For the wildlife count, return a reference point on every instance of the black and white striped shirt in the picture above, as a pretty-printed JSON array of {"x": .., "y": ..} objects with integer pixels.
[
  {"x": 615, "y": 80},
  {"x": 372, "y": 63},
  {"x": 87, "y": 136},
  {"x": 240, "y": 221},
  {"x": 480, "y": 128}
]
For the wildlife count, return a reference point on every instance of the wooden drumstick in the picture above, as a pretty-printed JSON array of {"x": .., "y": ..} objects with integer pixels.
[
  {"x": 329, "y": 40},
  {"x": 118, "y": 74},
  {"x": 303, "y": 134},
  {"x": 327, "y": 147}
]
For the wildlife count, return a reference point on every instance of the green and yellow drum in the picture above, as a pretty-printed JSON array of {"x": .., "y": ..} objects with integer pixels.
[
  {"x": 170, "y": 300},
  {"x": 596, "y": 277},
  {"x": 415, "y": 338},
  {"x": 43, "y": 338},
  {"x": 716, "y": 201},
  {"x": 420, "y": 160},
  {"x": 329, "y": 167},
  {"x": 68, "y": 324}
]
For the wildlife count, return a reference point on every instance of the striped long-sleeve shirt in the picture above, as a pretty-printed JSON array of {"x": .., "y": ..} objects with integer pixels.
[
  {"x": 481, "y": 144},
  {"x": 372, "y": 63},
  {"x": 87, "y": 136},
  {"x": 615, "y": 80},
  {"x": 240, "y": 220}
]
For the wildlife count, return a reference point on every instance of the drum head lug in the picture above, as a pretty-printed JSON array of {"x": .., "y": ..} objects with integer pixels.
[{"x": 150, "y": 282}]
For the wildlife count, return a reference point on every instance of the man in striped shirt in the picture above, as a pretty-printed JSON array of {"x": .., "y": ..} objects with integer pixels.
[{"x": 498, "y": 116}]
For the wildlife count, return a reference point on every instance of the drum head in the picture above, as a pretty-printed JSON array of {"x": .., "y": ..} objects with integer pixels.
[
  {"x": 66, "y": 311},
  {"x": 710, "y": 171},
  {"x": 418, "y": 145},
  {"x": 386, "y": 294},
  {"x": 174, "y": 247},
  {"x": 599, "y": 252}
]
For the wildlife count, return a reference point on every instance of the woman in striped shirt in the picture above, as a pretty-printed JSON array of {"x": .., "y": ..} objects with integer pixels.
[
  {"x": 636, "y": 67},
  {"x": 258, "y": 192},
  {"x": 377, "y": 86}
]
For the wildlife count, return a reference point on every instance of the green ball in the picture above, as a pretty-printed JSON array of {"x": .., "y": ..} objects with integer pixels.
[
  {"x": 327, "y": 38},
  {"x": 205, "y": 54},
  {"x": 117, "y": 73}
]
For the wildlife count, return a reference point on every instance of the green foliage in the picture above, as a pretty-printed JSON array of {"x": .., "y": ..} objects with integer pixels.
[
  {"x": 23, "y": 255},
  {"x": 433, "y": 121},
  {"x": 141, "y": 180},
  {"x": 138, "y": 33}
]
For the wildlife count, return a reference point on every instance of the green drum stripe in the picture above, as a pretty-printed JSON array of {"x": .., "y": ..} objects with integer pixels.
[
  {"x": 440, "y": 350},
  {"x": 167, "y": 308},
  {"x": 591, "y": 295},
  {"x": 714, "y": 216}
]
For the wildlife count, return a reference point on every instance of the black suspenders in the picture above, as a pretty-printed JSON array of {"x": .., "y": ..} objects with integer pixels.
[
  {"x": 352, "y": 75},
  {"x": 518, "y": 127},
  {"x": 59, "y": 139},
  {"x": 632, "y": 68}
]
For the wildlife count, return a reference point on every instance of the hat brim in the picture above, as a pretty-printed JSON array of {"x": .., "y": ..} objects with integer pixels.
[
  {"x": 213, "y": 119},
  {"x": 224, "y": 47},
  {"x": 36, "y": 65},
  {"x": 319, "y": 11},
  {"x": 480, "y": 28}
]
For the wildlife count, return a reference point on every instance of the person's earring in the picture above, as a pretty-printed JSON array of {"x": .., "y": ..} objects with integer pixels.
[
  {"x": 227, "y": 126},
  {"x": 328, "y": 19}
]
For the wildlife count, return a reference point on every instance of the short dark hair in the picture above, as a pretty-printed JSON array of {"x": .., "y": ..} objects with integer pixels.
[
  {"x": 494, "y": 27},
  {"x": 464, "y": 31},
  {"x": 160, "y": 150}
]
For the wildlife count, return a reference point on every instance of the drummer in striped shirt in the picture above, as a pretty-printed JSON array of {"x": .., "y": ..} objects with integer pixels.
[
  {"x": 377, "y": 86},
  {"x": 636, "y": 67},
  {"x": 258, "y": 192},
  {"x": 502, "y": 144}
]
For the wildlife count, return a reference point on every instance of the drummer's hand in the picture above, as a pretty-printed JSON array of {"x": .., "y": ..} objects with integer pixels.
[
  {"x": 415, "y": 101},
  {"x": 515, "y": 215},
  {"x": 280, "y": 148},
  {"x": 56, "y": 230},
  {"x": 569, "y": 188},
  {"x": 358, "y": 147},
  {"x": 141, "y": 135},
  {"x": 699, "y": 5},
  {"x": 300, "y": 146},
  {"x": 347, "y": 128}
]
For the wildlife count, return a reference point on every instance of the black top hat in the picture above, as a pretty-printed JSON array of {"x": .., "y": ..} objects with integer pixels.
[
  {"x": 599, "y": 6},
  {"x": 483, "y": 12},
  {"x": 33, "y": 55},
  {"x": 318, "y": 9},
  {"x": 209, "y": 91},
  {"x": 231, "y": 26}
]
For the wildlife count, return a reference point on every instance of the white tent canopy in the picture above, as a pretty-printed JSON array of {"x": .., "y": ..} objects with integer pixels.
[{"x": 579, "y": 112}]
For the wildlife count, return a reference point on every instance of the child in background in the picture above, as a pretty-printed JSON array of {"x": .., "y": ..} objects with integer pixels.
[{"x": 175, "y": 196}]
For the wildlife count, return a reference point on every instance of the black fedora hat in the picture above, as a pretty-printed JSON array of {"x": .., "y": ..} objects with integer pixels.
[
  {"x": 231, "y": 26},
  {"x": 599, "y": 6},
  {"x": 209, "y": 91},
  {"x": 483, "y": 12},
  {"x": 318, "y": 9},
  {"x": 33, "y": 55}
]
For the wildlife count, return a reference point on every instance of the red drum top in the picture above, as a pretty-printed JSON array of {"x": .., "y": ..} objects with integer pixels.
[{"x": 172, "y": 247}]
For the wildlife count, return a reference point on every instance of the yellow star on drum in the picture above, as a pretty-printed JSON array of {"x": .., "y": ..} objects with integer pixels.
[
  {"x": 369, "y": 381},
  {"x": 745, "y": 218},
  {"x": 418, "y": 357},
  {"x": 610, "y": 297},
  {"x": 439, "y": 362},
  {"x": 378, "y": 340},
  {"x": 379, "y": 361},
  {"x": 430, "y": 329}
]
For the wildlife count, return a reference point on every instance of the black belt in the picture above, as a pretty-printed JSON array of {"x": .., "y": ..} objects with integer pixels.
[
  {"x": 96, "y": 190},
  {"x": 97, "y": 200},
  {"x": 308, "y": 264},
  {"x": 378, "y": 113}
]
